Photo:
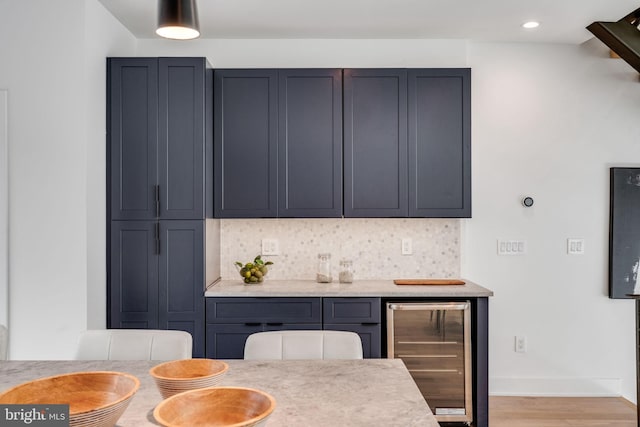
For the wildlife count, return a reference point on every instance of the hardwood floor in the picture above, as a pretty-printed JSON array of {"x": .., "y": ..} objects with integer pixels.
[{"x": 561, "y": 412}]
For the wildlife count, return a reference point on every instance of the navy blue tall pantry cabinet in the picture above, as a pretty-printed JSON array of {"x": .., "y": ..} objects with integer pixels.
[{"x": 159, "y": 163}]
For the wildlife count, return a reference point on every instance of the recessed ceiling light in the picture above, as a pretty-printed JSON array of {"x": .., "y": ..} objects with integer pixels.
[{"x": 531, "y": 24}]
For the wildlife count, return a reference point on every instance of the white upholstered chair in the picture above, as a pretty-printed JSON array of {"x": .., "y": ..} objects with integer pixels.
[
  {"x": 134, "y": 344},
  {"x": 276, "y": 345},
  {"x": 4, "y": 342}
]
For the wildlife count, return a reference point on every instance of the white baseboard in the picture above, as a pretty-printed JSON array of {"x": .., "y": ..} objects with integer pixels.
[{"x": 568, "y": 387}]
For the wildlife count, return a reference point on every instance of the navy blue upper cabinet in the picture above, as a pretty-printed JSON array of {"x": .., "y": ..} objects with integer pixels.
[
  {"x": 440, "y": 143},
  {"x": 157, "y": 138},
  {"x": 278, "y": 143},
  {"x": 407, "y": 143},
  {"x": 310, "y": 143},
  {"x": 133, "y": 136},
  {"x": 354, "y": 143},
  {"x": 375, "y": 143},
  {"x": 181, "y": 137},
  {"x": 245, "y": 143}
]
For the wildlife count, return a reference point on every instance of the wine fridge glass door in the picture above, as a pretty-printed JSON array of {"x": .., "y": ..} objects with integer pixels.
[{"x": 433, "y": 340}]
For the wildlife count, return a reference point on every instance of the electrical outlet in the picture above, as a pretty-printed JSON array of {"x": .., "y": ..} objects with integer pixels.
[
  {"x": 270, "y": 247},
  {"x": 520, "y": 344},
  {"x": 407, "y": 246},
  {"x": 575, "y": 246}
]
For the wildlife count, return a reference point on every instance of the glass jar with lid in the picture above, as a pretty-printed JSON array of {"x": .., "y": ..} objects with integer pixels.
[
  {"x": 346, "y": 271},
  {"x": 323, "y": 274}
]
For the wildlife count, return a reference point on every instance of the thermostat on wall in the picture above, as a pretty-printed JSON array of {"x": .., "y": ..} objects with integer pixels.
[{"x": 527, "y": 202}]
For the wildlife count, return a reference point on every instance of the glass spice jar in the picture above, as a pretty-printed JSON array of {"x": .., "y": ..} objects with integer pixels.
[
  {"x": 323, "y": 274},
  {"x": 346, "y": 271}
]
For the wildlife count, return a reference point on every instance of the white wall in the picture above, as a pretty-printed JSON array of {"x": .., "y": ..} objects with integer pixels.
[
  {"x": 4, "y": 211},
  {"x": 548, "y": 122},
  {"x": 104, "y": 37},
  {"x": 52, "y": 126},
  {"x": 309, "y": 53},
  {"x": 41, "y": 68}
]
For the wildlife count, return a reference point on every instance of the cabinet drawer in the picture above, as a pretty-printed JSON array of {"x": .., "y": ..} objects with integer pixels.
[
  {"x": 351, "y": 310},
  {"x": 264, "y": 310}
]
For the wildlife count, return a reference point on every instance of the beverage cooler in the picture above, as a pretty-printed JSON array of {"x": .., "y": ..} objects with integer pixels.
[{"x": 434, "y": 341}]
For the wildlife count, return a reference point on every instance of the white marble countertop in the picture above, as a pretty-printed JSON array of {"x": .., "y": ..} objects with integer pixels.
[
  {"x": 359, "y": 288},
  {"x": 309, "y": 393}
]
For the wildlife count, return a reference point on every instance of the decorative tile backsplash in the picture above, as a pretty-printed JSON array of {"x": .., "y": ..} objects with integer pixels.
[{"x": 374, "y": 245}]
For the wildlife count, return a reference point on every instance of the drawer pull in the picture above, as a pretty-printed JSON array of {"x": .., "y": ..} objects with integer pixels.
[
  {"x": 369, "y": 323},
  {"x": 252, "y": 324}
]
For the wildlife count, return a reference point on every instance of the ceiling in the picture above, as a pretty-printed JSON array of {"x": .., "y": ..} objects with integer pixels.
[{"x": 562, "y": 21}]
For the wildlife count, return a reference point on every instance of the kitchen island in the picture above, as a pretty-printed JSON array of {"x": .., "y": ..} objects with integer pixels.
[
  {"x": 234, "y": 310},
  {"x": 312, "y": 393}
]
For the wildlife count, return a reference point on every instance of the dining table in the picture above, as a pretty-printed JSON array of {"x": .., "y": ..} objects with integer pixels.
[{"x": 308, "y": 393}]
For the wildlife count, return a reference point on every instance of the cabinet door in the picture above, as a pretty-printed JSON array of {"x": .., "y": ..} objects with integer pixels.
[
  {"x": 369, "y": 335},
  {"x": 440, "y": 143},
  {"x": 181, "y": 133},
  {"x": 375, "y": 143},
  {"x": 245, "y": 143},
  {"x": 132, "y": 134},
  {"x": 310, "y": 143},
  {"x": 181, "y": 279},
  {"x": 226, "y": 341},
  {"x": 133, "y": 278}
]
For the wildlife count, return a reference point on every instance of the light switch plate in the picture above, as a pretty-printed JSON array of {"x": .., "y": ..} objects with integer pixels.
[
  {"x": 407, "y": 246},
  {"x": 512, "y": 247},
  {"x": 270, "y": 247}
]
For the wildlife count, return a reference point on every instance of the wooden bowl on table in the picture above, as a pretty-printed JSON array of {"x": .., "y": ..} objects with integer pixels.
[
  {"x": 95, "y": 399},
  {"x": 216, "y": 406},
  {"x": 187, "y": 374}
]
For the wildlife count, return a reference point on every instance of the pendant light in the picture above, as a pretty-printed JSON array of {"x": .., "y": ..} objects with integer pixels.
[{"x": 178, "y": 19}]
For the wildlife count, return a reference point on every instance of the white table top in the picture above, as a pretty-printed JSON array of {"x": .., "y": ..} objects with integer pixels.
[
  {"x": 359, "y": 288},
  {"x": 308, "y": 393}
]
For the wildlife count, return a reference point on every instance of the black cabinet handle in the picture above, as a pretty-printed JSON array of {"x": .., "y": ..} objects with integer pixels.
[
  {"x": 157, "y": 238},
  {"x": 252, "y": 324},
  {"x": 369, "y": 323},
  {"x": 157, "y": 199}
]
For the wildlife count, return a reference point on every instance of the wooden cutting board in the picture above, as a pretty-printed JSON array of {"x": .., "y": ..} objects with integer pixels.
[{"x": 428, "y": 282}]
